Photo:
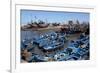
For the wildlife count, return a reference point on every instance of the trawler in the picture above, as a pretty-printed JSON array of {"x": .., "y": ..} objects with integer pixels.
[{"x": 35, "y": 25}]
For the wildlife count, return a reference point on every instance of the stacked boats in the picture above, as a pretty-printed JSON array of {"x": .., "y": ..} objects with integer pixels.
[{"x": 52, "y": 42}]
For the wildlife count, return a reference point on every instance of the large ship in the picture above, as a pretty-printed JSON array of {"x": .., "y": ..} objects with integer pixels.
[{"x": 35, "y": 25}]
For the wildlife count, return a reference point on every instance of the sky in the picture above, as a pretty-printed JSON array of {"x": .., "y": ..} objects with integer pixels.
[{"x": 52, "y": 16}]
